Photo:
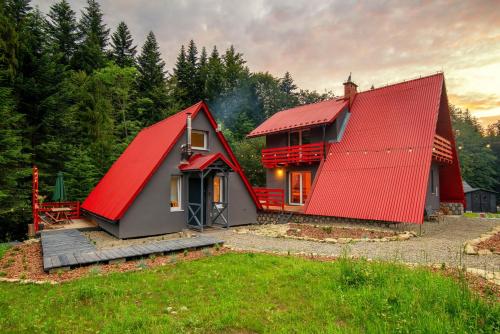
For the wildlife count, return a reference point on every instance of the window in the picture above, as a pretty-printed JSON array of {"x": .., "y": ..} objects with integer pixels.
[
  {"x": 199, "y": 140},
  {"x": 301, "y": 137},
  {"x": 175, "y": 193},
  {"x": 218, "y": 189}
]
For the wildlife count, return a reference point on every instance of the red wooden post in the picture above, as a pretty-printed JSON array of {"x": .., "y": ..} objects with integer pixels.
[
  {"x": 34, "y": 198},
  {"x": 78, "y": 209}
]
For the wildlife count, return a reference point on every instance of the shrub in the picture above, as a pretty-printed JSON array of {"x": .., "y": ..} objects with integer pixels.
[
  {"x": 354, "y": 273},
  {"x": 327, "y": 229}
]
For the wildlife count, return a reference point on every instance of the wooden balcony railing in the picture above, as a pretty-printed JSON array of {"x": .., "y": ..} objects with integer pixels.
[
  {"x": 441, "y": 150},
  {"x": 271, "y": 198},
  {"x": 291, "y": 155}
]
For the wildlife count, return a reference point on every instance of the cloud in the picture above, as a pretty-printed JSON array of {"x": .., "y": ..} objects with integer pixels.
[{"x": 320, "y": 42}]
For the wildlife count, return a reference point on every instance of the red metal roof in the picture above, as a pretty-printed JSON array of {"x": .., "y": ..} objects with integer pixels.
[
  {"x": 117, "y": 190},
  {"x": 301, "y": 117},
  {"x": 201, "y": 162},
  {"x": 380, "y": 168}
]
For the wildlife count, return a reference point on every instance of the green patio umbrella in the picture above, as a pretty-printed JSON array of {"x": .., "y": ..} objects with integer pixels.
[{"x": 59, "y": 191}]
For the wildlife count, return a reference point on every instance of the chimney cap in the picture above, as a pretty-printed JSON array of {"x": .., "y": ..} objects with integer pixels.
[{"x": 349, "y": 80}]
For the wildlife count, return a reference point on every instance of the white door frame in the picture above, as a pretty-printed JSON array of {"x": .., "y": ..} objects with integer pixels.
[{"x": 301, "y": 180}]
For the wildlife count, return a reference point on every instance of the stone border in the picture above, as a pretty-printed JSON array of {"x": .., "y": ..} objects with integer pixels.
[
  {"x": 470, "y": 246},
  {"x": 27, "y": 281},
  {"x": 280, "y": 232}
]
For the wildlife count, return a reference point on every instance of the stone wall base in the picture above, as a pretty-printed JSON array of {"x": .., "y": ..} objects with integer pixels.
[
  {"x": 298, "y": 218},
  {"x": 449, "y": 208}
]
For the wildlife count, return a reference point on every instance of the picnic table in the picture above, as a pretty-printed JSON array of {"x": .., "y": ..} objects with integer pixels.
[{"x": 59, "y": 215}]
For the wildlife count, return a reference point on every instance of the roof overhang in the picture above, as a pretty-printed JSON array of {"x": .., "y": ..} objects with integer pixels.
[{"x": 200, "y": 162}]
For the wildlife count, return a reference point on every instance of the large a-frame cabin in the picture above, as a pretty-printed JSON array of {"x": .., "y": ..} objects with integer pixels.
[
  {"x": 387, "y": 154},
  {"x": 178, "y": 173}
]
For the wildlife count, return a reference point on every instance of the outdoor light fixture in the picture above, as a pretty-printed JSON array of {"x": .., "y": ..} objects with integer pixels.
[{"x": 279, "y": 172}]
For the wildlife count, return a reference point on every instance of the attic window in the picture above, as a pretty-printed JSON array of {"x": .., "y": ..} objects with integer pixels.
[{"x": 199, "y": 140}]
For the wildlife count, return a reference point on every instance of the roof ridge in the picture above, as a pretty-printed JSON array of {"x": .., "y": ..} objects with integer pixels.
[
  {"x": 334, "y": 99},
  {"x": 403, "y": 82}
]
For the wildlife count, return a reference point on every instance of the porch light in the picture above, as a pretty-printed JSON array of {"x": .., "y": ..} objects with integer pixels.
[{"x": 279, "y": 172}]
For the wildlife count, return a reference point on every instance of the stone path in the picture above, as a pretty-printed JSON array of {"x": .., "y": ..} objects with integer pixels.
[
  {"x": 68, "y": 248},
  {"x": 439, "y": 243}
]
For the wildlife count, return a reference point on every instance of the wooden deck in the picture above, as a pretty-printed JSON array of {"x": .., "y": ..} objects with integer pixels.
[
  {"x": 70, "y": 248},
  {"x": 75, "y": 224}
]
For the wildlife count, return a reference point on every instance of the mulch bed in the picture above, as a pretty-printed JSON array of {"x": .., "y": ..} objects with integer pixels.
[
  {"x": 492, "y": 244},
  {"x": 25, "y": 262},
  {"x": 323, "y": 232}
]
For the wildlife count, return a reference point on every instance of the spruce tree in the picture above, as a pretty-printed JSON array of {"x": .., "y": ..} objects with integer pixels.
[
  {"x": 122, "y": 49},
  {"x": 234, "y": 68},
  {"x": 202, "y": 74},
  {"x": 62, "y": 30},
  {"x": 150, "y": 65},
  {"x": 215, "y": 76},
  {"x": 181, "y": 73},
  {"x": 94, "y": 36},
  {"x": 192, "y": 72},
  {"x": 92, "y": 26},
  {"x": 17, "y": 10}
]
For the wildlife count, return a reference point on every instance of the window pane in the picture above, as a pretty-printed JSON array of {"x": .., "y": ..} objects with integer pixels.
[
  {"x": 294, "y": 138},
  {"x": 217, "y": 189},
  {"x": 295, "y": 188},
  {"x": 306, "y": 137},
  {"x": 306, "y": 185},
  {"x": 175, "y": 189},
  {"x": 198, "y": 139}
]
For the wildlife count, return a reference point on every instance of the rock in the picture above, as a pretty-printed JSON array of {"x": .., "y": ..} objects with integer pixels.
[
  {"x": 483, "y": 252},
  {"x": 332, "y": 240},
  {"x": 469, "y": 249},
  {"x": 344, "y": 240},
  {"x": 183, "y": 308},
  {"x": 403, "y": 237}
]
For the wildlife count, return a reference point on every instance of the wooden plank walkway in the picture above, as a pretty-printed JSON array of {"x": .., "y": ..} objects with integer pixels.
[{"x": 70, "y": 248}]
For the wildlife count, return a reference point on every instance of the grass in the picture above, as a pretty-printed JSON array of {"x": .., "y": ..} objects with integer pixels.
[
  {"x": 3, "y": 249},
  {"x": 243, "y": 293},
  {"x": 476, "y": 215}
]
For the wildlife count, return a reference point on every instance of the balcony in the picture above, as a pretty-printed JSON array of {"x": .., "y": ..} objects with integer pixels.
[
  {"x": 441, "y": 150},
  {"x": 292, "y": 155}
]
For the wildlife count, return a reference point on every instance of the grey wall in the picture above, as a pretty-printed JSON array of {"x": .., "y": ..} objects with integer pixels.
[
  {"x": 150, "y": 213},
  {"x": 432, "y": 202}
]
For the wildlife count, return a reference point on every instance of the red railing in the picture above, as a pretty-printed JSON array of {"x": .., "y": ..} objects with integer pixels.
[
  {"x": 289, "y": 155},
  {"x": 271, "y": 197},
  {"x": 73, "y": 213},
  {"x": 441, "y": 150}
]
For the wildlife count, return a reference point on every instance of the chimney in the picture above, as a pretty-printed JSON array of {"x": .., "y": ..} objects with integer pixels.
[
  {"x": 350, "y": 90},
  {"x": 187, "y": 148}
]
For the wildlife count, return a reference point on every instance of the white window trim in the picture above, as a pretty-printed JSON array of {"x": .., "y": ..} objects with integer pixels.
[
  {"x": 179, "y": 193},
  {"x": 205, "y": 140}
]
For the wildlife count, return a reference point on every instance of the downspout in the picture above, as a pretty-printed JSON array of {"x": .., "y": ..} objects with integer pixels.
[{"x": 188, "y": 134}]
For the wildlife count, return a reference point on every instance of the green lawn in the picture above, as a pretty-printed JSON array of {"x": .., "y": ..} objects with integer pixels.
[
  {"x": 476, "y": 215},
  {"x": 3, "y": 249},
  {"x": 242, "y": 293}
]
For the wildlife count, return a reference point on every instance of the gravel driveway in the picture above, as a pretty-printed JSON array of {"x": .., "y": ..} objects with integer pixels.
[{"x": 439, "y": 243}]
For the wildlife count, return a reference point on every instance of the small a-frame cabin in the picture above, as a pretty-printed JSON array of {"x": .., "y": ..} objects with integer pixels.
[{"x": 178, "y": 173}]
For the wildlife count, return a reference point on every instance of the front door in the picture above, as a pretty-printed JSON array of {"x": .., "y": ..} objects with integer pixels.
[
  {"x": 197, "y": 209},
  {"x": 299, "y": 187}
]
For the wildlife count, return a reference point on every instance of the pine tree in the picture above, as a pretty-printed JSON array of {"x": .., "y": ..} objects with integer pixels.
[
  {"x": 203, "y": 74},
  {"x": 150, "y": 65},
  {"x": 215, "y": 76},
  {"x": 17, "y": 10},
  {"x": 287, "y": 85},
  {"x": 234, "y": 68},
  {"x": 62, "y": 30},
  {"x": 94, "y": 36},
  {"x": 122, "y": 49},
  {"x": 192, "y": 72},
  {"x": 91, "y": 25},
  {"x": 181, "y": 73}
]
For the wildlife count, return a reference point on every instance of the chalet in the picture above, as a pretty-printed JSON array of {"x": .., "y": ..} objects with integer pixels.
[
  {"x": 178, "y": 173},
  {"x": 386, "y": 154}
]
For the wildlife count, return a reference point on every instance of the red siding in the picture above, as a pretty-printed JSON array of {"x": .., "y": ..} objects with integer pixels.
[{"x": 380, "y": 169}]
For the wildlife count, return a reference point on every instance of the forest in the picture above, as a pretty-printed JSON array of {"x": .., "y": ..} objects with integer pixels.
[{"x": 74, "y": 92}]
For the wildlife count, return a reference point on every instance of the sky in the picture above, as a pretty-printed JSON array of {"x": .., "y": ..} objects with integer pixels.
[{"x": 321, "y": 42}]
